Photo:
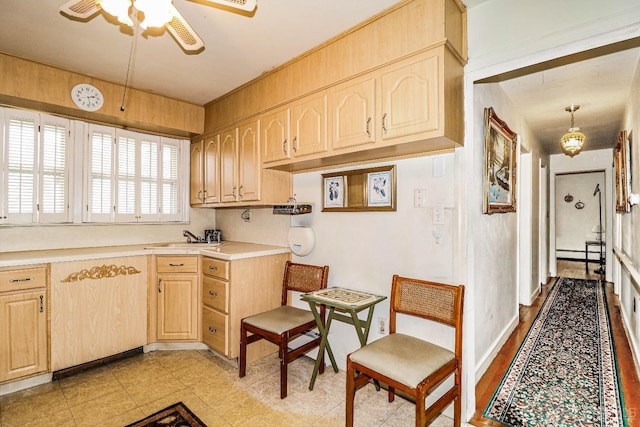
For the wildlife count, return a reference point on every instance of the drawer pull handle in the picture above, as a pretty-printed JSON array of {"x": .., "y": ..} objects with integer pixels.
[
  {"x": 384, "y": 124},
  {"x": 213, "y": 267},
  {"x": 26, "y": 279},
  {"x": 213, "y": 293},
  {"x": 212, "y": 330},
  {"x": 176, "y": 265},
  {"x": 41, "y": 303},
  {"x": 159, "y": 288},
  {"x": 369, "y": 127}
]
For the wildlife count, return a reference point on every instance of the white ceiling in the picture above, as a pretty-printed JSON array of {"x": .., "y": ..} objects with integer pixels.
[{"x": 239, "y": 48}]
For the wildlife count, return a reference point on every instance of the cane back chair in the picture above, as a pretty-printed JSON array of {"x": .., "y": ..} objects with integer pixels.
[
  {"x": 285, "y": 323},
  {"x": 408, "y": 364}
]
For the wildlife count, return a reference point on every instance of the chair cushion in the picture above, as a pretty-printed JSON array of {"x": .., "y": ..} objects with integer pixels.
[
  {"x": 403, "y": 358},
  {"x": 280, "y": 319}
]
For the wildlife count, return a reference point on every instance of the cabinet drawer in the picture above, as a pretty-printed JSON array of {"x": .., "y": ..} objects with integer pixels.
[
  {"x": 215, "y": 267},
  {"x": 174, "y": 264},
  {"x": 215, "y": 330},
  {"x": 215, "y": 293},
  {"x": 23, "y": 278}
]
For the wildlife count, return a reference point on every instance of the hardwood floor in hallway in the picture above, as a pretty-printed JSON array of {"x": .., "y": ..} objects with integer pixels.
[{"x": 628, "y": 372}]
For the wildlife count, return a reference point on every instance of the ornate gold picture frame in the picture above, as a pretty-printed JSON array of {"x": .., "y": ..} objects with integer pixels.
[
  {"x": 621, "y": 161},
  {"x": 500, "y": 165}
]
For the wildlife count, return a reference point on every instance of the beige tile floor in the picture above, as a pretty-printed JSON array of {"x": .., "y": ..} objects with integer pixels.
[{"x": 127, "y": 390}]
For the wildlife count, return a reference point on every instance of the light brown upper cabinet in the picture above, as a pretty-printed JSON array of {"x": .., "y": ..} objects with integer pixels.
[
  {"x": 205, "y": 160},
  {"x": 353, "y": 120},
  {"x": 240, "y": 163},
  {"x": 309, "y": 126},
  {"x": 275, "y": 135}
]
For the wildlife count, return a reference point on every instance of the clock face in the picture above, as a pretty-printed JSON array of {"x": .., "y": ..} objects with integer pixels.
[{"x": 87, "y": 97}]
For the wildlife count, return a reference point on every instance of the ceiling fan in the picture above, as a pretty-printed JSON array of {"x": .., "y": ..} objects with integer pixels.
[{"x": 157, "y": 13}]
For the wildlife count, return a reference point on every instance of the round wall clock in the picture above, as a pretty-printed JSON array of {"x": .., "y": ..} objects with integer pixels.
[{"x": 87, "y": 97}]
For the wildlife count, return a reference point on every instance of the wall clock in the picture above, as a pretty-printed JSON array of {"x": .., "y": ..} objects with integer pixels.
[{"x": 87, "y": 97}]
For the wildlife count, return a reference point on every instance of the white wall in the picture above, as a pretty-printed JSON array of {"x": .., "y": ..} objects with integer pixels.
[{"x": 36, "y": 237}]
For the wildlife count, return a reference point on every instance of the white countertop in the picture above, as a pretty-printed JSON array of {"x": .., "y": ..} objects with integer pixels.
[{"x": 226, "y": 251}]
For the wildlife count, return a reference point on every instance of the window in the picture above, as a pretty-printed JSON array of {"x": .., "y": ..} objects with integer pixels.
[
  {"x": 134, "y": 177},
  {"x": 35, "y": 168},
  {"x": 120, "y": 175}
]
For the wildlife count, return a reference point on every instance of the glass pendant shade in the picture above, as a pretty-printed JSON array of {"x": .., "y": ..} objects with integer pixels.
[
  {"x": 573, "y": 141},
  {"x": 156, "y": 12}
]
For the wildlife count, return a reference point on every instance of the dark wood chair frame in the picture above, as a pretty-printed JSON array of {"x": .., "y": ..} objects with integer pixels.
[
  {"x": 359, "y": 375},
  {"x": 285, "y": 354}
]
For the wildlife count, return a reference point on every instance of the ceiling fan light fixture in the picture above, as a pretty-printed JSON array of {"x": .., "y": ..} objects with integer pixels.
[
  {"x": 118, "y": 9},
  {"x": 156, "y": 12},
  {"x": 573, "y": 141}
]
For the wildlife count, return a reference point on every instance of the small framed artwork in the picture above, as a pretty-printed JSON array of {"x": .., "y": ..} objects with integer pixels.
[
  {"x": 358, "y": 190},
  {"x": 621, "y": 161},
  {"x": 334, "y": 191},
  {"x": 500, "y": 165},
  {"x": 379, "y": 188}
]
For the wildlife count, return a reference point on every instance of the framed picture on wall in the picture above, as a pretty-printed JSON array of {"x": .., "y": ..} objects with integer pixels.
[
  {"x": 621, "y": 162},
  {"x": 334, "y": 192},
  {"x": 500, "y": 165},
  {"x": 379, "y": 188}
]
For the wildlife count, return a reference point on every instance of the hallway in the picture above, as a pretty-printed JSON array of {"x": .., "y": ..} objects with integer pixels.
[{"x": 628, "y": 373}]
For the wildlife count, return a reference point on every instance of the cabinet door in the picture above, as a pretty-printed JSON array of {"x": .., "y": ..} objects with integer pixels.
[
  {"x": 211, "y": 171},
  {"x": 178, "y": 306},
  {"x": 352, "y": 113},
  {"x": 229, "y": 166},
  {"x": 249, "y": 162},
  {"x": 196, "y": 174},
  {"x": 410, "y": 99},
  {"x": 274, "y": 136},
  {"x": 309, "y": 126},
  {"x": 23, "y": 335}
]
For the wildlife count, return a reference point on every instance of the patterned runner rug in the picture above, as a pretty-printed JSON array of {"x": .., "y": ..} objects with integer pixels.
[
  {"x": 565, "y": 372},
  {"x": 176, "y": 415}
]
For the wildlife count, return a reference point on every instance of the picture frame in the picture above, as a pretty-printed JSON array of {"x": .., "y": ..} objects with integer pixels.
[
  {"x": 500, "y": 165},
  {"x": 371, "y": 189},
  {"x": 621, "y": 164},
  {"x": 334, "y": 193},
  {"x": 379, "y": 188}
]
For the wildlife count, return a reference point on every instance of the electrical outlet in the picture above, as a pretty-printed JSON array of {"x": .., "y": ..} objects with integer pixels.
[{"x": 382, "y": 325}]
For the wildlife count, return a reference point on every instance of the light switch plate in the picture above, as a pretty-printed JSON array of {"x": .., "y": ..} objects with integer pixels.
[
  {"x": 419, "y": 197},
  {"x": 437, "y": 213}
]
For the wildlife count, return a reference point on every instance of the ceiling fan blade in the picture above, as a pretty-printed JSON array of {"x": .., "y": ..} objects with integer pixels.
[
  {"x": 82, "y": 9},
  {"x": 183, "y": 33},
  {"x": 248, "y": 5}
]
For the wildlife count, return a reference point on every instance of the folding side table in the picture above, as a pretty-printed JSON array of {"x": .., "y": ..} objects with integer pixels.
[{"x": 338, "y": 301}]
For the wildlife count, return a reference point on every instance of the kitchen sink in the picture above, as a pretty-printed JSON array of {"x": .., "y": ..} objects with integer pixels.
[{"x": 190, "y": 245}]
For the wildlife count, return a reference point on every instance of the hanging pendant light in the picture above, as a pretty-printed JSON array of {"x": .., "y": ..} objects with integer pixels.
[{"x": 573, "y": 141}]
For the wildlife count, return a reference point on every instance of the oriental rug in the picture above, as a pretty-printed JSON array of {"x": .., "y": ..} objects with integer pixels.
[
  {"x": 565, "y": 372},
  {"x": 176, "y": 415}
]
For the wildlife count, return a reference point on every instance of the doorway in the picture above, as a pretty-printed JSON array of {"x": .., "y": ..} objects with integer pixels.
[{"x": 580, "y": 219}]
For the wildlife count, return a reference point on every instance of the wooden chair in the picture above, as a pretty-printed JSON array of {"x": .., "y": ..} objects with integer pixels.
[
  {"x": 409, "y": 364},
  {"x": 285, "y": 323}
]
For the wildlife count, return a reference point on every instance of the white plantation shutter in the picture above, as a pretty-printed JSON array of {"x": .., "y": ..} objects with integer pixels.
[
  {"x": 126, "y": 148},
  {"x": 171, "y": 195},
  {"x": 20, "y": 144},
  {"x": 149, "y": 178},
  {"x": 54, "y": 170},
  {"x": 99, "y": 198}
]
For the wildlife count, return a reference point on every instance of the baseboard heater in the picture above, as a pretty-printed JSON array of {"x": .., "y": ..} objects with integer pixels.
[{"x": 73, "y": 370}]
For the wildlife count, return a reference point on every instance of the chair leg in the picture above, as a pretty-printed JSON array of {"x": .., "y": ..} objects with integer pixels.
[
  {"x": 243, "y": 351},
  {"x": 351, "y": 392},
  {"x": 392, "y": 394},
  {"x": 421, "y": 415},
  {"x": 321, "y": 369},
  {"x": 283, "y": 366}
]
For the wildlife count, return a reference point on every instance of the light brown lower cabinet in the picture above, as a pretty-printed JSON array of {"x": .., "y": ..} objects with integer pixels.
[
  {"x": 23, "y": 322},
  {"x": 233, "y": 290}
]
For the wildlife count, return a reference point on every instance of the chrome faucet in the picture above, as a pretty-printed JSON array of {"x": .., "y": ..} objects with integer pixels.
[{"x": 191, "y": 238}]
